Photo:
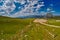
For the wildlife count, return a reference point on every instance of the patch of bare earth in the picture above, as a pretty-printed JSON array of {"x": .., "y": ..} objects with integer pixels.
[{"x": 43, "y": 22}]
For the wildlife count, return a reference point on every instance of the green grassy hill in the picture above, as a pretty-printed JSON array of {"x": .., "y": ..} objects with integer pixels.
[
  {"x": 10, "y": 26},
  {"x": 26, "y": 29}
]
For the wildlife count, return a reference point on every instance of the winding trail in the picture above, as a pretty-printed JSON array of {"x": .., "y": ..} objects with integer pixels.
[{"x": 43, "y": 22}]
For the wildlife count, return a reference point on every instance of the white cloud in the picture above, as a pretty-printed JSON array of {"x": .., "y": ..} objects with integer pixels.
[
  {"x": 21, "y": 13},
  {"x": 6, "y": 8},
  {"x": 48, "y": 9},
  {"x": 52, "y": 11},
  {"x": 42, "y": 13},
  {"x": 20, "y": 1},
  {"x": 29, "y": 7}
]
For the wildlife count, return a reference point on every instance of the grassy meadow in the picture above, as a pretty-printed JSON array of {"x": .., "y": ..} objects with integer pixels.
[{"x": 26, "y": 29}]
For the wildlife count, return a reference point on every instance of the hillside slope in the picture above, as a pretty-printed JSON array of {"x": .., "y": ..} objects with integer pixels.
[
  {"x": 10, "y": 26},
  {"x": 26, "y": 29}
]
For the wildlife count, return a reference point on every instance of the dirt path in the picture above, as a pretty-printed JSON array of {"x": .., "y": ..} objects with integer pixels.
[{"x": 43, "y": 21}]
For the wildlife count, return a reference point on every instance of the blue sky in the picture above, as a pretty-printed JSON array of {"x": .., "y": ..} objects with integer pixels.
[
  {"x": 47, "y": 3},
  {"x": 54, "y": 4}
]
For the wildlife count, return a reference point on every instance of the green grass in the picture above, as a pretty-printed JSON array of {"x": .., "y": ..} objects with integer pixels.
[
  {"x": 55, "y": 31},
  {"x": 53, "y": 22},
  {"x": 38, "y": 32},
  {"x": 35, "y": 33},
  {"x": 12, "y": 28}
]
